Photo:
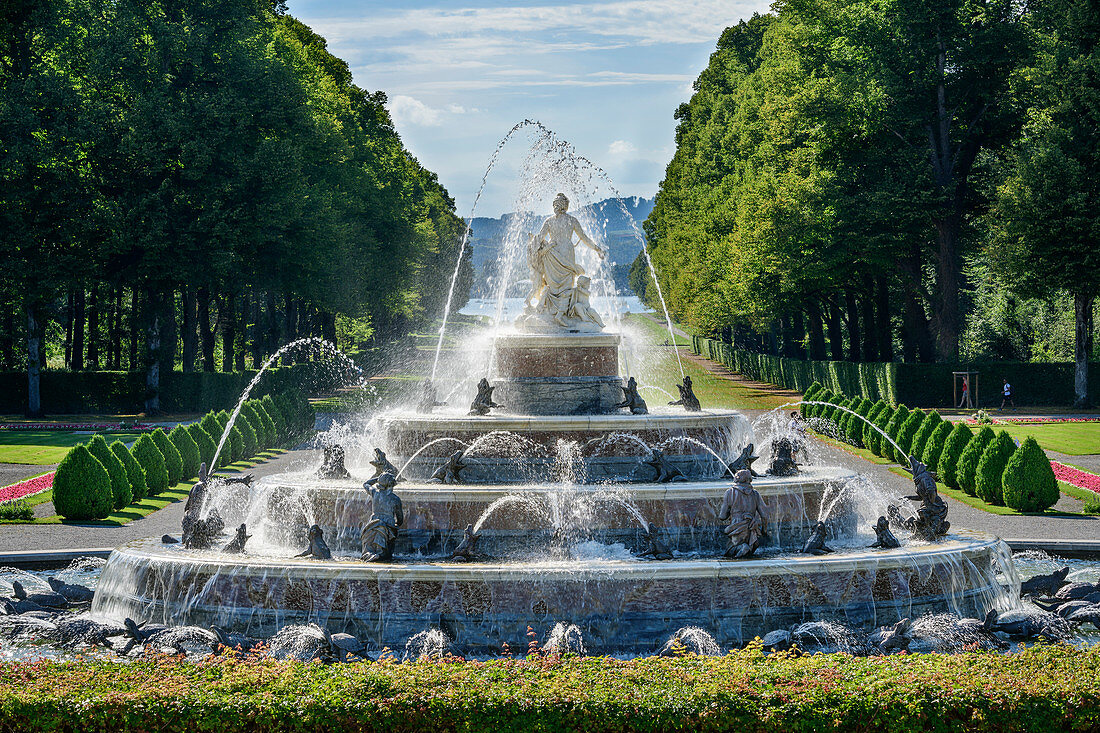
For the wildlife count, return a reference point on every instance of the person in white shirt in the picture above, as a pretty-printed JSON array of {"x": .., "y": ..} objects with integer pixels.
[{"x": 1007, "y": 392}]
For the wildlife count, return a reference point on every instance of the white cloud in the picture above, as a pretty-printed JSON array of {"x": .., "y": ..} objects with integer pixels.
[
  {"x": 414, "y": 112},
  {"x": 622, "y": 147}
]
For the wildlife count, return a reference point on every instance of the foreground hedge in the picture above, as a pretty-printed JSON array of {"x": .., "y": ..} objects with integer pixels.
[{"x": 1039, "y": 689}]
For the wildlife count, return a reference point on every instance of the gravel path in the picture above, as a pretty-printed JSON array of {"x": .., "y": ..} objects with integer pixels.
[{"x": 13, "y": 473}]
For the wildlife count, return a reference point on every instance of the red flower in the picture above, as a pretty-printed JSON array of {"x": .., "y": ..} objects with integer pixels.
[{"x": 28, "y": 487}]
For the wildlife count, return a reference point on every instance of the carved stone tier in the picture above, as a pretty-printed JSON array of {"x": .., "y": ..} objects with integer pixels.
[
  {"x": 558, "y": 374},
  {"x": 518, "y": 448},
  {"x": 436, "y": 514},
  {"x": 620, "y": 606}
]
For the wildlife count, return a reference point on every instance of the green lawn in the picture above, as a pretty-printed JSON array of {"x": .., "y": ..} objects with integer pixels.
[
  {"x": 655, "y": 331},
  {"x": 1071, "y": 438},
  {"x": 43, "y": 447}
]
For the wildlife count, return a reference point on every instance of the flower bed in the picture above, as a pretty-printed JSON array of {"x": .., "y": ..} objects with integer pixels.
[
  {"x": 76, "y": 426},
  {"x": 1076, "y": 477},
  {"x": 27, "y": 488},
  {"x": 1041, "y": 688},
  {"x": 1035, "y": 420}
]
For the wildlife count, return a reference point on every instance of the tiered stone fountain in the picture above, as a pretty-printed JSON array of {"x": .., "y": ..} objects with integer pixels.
[{"x": 555, "y": 495}]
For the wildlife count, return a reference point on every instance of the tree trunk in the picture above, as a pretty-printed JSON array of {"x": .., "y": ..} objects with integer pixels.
[
  {"x": 70, "y": 300},
  {"x": 206, "y": 333},
  {"x": 836, "y": 335},
  {"x": 155, "y": 314},
  {"x": 947, "y": 285},
  {"x": 291, "y": 326},
  {"x": 135, "y": 330},
  {"x": 853, "y": 325},
  {"x": 77, "y": 358},
  {"x": 7, "y": 339},
  {"x": 229, "y": 330},
  {"x": 817, "y": 333},
  {"x": 169, "y": 332},
  {"x": 242, "y": 332},
  {"x": 257, "y": 334},
  {"x": 34, "y": 363},
  {"x": 116, "y": 332},
  {"x": 328, "y": 328},
  {"x": 272, "y": 319},
  {"x": 190, "y": 335},
  {"x": 885, "y": 335},
  {"x": 1082, "y": 318},
  {"x": 870, "y": 333},
  {"x": 92, "y": 361},
  {"x": 798, "y": 327},
  {"x": 917, "y": 344}
]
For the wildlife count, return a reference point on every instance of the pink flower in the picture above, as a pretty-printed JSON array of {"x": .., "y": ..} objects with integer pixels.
[
  {"x": 1076, "y": 477},
  {"x": 28, "y": 487}
]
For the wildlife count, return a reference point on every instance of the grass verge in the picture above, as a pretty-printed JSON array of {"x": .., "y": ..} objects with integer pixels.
[
  {"x": 1073, "y": 439},
  {"x": 45, "y": 447}
]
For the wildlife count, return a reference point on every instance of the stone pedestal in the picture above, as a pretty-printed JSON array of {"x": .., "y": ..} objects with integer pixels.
[{"x": 558, "y": 374}]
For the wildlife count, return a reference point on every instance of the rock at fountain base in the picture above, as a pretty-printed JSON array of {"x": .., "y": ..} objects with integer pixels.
[{"x": 560, "y": 395}]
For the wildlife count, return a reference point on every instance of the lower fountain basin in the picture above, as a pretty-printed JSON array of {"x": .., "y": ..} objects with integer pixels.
[{"x": 621, "y": 606}]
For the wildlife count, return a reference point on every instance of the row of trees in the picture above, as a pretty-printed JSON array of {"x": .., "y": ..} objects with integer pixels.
[
  {"x": 183, "y": 178},
  {"x": 843, "y": 165}
]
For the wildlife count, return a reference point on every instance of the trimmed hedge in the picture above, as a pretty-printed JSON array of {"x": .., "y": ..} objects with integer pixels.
[
  {"x": 215, "y": 430},
  {"x": 282, "y": 426},
  {"x": 869, "y": 433},
  {"x": 927, "y": 385},
  {"x": 120, "y": 482},
  {"x": 908, "y": 431},
  {"x": 987, "y": 477},
  {"x": 173, "y": 462},
  {"x": 248, "y": 435},
  {"x": 1040, "y": 688},
  {"x": 880, "y": 446},
  {"x": 82, "y": 486},
  {"x": 236, "y": 440},
  {"x": 947, "y": 467},
  {"x": 205, "y": 443},
  {"x": 934, "y": 446},
  {"x": 966, "y": 472},
  {"x": 893, "y": 429},
  {"x": 924, "y": 432},
  {"x": 265, "y": 428},
  {"x": 1028, "y": 482},
  {"x": 188, "y": 450},
  {"x": 147, "y": 454},
  {"x": 808, "y": 395},
  {"x": 134, "y": 472}
]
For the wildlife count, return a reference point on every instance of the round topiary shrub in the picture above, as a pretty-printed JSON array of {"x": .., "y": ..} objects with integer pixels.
[
  {"x": 282, "y": 425},
  {"x": 968, "y": 459},
  {"x": 987, "y": 477},
  {"x": 924, "y": 432},
  {"x": 134, "y": 472},
  {"x": 947, "y": 468},
  {"x": 235, "y": 443},
  {"x": 934, "y": 446},
  {"x": 292, "y": 407},
  {"x": 855, "y": 425},
  {"x": 270, "y": 438},
  {"x": 248, "y": 435},
  {"x": 215, "y": 430},
  {"x": 188, "y": 450},
  {"x": 1028, "y": 482},
  {"x": 907, "y": 431},
  {"x": 205, "y": 443},
  {"x": 82, "y": 486},
  {"x": 880, "y": 445},
  {"x": 173, "y": 462},
  {"x": 893, "y": 429},
  {"x": 120, "y": 483},
  {"x": 146, "y": 453},
  {"x": 870, "y": 435},
  {"x": 808, "y": 396}
]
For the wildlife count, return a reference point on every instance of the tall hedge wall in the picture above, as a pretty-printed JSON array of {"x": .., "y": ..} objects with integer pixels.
[
  {"x": 922, "y": 385},
  {"x": 124, "y": 392}
]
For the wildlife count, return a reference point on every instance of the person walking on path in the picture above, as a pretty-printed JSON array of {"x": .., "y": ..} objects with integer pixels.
[
  {"x": 1007, "y": 392},
  {"x": 965, "y": 401}
]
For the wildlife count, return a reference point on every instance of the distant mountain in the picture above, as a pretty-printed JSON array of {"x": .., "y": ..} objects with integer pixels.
[{"x": 606, "y": 218}]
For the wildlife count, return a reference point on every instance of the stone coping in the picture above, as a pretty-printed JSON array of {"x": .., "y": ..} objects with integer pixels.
[
  {"x": 616, "y": 422},
  {"x": 554, "y": 340},
  {"x": 961, "y": 545},
  {"x": 416, "y": 491}
]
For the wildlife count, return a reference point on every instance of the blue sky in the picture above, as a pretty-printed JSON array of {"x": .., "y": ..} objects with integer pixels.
[{"x": 606, "y": 76}]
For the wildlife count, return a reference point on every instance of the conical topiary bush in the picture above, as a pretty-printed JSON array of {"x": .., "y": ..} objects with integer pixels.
[
  {"x": 987, "y": 477},
  {"x": 82, "y": 486},
  {"x": 869, "y": 433},
  {"x": 264, "y": 439},
  {"x": 188, "y": 450},
  {"x": 880, "y": 445},
  {"x": 282, "y": 425},
  {"x": 924, "y": 432},
  {"x": 956, "y": 442},
  {"x": 215, "y": 429},
  {"x": 235, "y": 441},
  {"x": 147, "y": 454},
  {"x": 907, "y": 432},
  {"x": 968, "y": 461},
  {"x": 270, "y": 428},
  {"x": 120, "y": 482},
  {"x": 248, "y": 435},
  {"x": 134, "y": 472},
  {"x": 933, "y": 447},
  {"x": 808, "y": 396},
  {"x": 1028, "y": 482},
  {"x": 173, "y": 462},
  {"x": 893, "y": 429}
]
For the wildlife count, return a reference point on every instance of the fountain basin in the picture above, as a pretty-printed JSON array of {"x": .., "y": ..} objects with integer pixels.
[
  {"x": 436, "y": 514},
  {"x": 621, "y": 606},
  {"x": 526, "y": 448},
  {"x": 558, "y": 374}
]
